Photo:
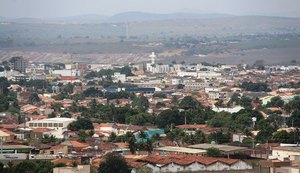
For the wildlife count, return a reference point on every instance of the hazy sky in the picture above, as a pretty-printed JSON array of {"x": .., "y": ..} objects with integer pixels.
[{"x": 62, "y": 8}]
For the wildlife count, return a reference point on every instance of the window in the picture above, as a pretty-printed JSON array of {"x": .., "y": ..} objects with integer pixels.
[
  {"x": 40, "y": 124},
  {"x": 55, "y": 124},
  {"x": 60, "y": 124},
  {"x": 35, "y": 125},
  {"x": 30, "y": 124},
  {"x": 50, "y": 125},
  {"x": 45, "y": 125}
]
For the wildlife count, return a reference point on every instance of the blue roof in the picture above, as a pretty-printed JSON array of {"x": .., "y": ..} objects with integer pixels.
[
  {"x": 150, "y": 134},
  {"x": 141, "y": 90}
]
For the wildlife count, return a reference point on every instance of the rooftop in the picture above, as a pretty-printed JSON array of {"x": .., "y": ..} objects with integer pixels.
[
  {"x": 181, "y": 150},
  {"x": 223, "y": 148},
  {"x": 185, "y": 159},
  {"x": 15, "y": 147},
  {"x": 55, "y": 120},
  {"x": 294, "y": 149}
]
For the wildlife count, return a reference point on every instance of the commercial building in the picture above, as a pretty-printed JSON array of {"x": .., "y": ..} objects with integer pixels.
[
  {"x": 282, "y": 153},
  {"x": 191, "y": 163},
  {"x": 180, "y": 150},
  {"x": 58, "y": 125},
  {"x": 18, "y": 64},
  {"x": 225, "y": 149},
  {"x": 196, "y": 85}
]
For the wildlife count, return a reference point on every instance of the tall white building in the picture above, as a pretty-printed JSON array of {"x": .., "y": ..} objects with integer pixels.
[
  {"x": 151, "y": 66},
  {"x": 156, "y": 68}
]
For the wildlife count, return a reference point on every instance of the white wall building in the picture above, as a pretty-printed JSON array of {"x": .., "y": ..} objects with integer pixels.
[
  {"x": 98, "y": 67},
  {"x": 72, "y": 72},
  {"x": 195, "y": 85},
  {"x": 187, "y": 74},
  {"x": 230, "y": 110},
  {"x": 282, "y": 153},
  {"x": 35, "y": 68},
  {"x": 119, "y": 77},
  {"x": 59, "y": 125},
  {"x": 196, "y": 166},
  {"x": 208, "y": 75}
]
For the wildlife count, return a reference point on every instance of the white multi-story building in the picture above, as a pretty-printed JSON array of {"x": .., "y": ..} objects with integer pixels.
[
  {"x": 58, "y": 125},
  {"x": 70, "y": 72},
  {"x": 35, "y": 68},
  {"x": 187, "y": 74},
  {"x": 119, "y": 77},
  {"x": 196, "y": 85},
  {"x": 208, "y": 75},
  {"x": 161, "y": 68},
  {"x": 156, "y": 68},
  {"x": 98, "y": 67},
  {"x": 176, "y": 81}
]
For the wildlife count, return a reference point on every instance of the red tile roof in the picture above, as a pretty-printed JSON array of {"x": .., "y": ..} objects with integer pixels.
[
  {"x": 9, "y": 126},
  {"x": 185, "y": 159},
  {"x": 7, "y": 131},
  {"x": 37, "y": 117},
  {"x": 68, "y": 78},
  {"x": 77, "y": 144},
  {"x": 107, "y": 146},
  {"x": 41, "y": 130}
]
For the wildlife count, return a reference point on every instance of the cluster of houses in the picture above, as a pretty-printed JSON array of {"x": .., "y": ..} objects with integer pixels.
[{"x": 206, "y": 83}]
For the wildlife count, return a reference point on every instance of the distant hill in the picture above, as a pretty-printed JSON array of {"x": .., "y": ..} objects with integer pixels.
[
  {"x": 88, "y": 19},
  {"x": 141, "y": 16},
  {"x": 133, "y": 16}
]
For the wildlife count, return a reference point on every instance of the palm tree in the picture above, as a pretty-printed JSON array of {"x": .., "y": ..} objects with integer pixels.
[{"x": 143, "y": 135}]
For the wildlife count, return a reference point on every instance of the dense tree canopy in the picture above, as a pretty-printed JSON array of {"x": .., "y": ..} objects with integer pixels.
[
  {"x": 219, "y": 137},
  {"x": 293, "y": 105},
  {"x": 81, "y": 124},
  {"x": 141, "y": 103},
  {"x": 141, "y": 119},
  {"x": 31, "y": 167},
  {"x": 294, "y": 120},
  {"x": 189, "y": 103},
  {"x": 169, "y": 117},
  {"x": 256, "y": 87},
  {"x": 113, "y": 163},
  {"x": 213, "y": 152},
  {"x": 275, "y": 102},
  {"x": 4, "y": 84},
  {"x": 34, "y": 98}
]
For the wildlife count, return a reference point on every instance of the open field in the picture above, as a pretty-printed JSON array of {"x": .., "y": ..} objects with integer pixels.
[{"x": 222, "y": 40}]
